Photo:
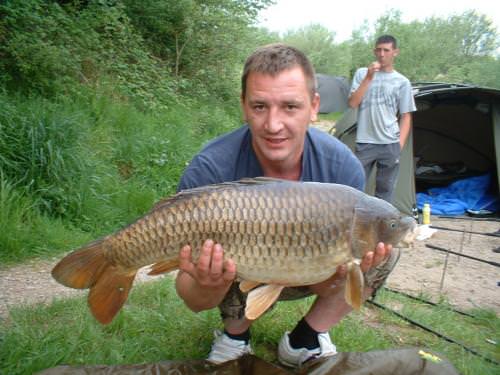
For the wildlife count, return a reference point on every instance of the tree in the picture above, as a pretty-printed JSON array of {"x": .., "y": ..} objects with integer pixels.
[
  {"x": 202, "y": 40},
  {"x": 318, "y": 43}
]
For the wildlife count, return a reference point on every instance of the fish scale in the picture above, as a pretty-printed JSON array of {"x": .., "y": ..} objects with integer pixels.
[{"x": 243, "y": 213}]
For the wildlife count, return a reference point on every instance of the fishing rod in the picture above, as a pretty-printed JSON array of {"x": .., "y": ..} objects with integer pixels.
[
  {"x": 495, "y": 264},
  {"x": 428, "y": 302},
  {"x": 469, "y": 218},
  {"x": 430, "y": 330},
  {"x": 494, "y": 234}
]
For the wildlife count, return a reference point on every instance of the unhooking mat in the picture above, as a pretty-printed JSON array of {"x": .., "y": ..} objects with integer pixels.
[{"x": 410, "y": 361}]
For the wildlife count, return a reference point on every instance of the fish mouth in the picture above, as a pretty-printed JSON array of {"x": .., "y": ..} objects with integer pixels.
[{"x": 411, "y": 234}]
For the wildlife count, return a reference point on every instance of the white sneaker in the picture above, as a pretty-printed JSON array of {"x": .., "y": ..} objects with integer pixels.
[
  {"x": 297, "y": 357},
  {"x": 225, "y": 348}
]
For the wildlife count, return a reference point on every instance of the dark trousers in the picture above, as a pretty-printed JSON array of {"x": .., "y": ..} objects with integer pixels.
[{"x": 386, "y": 158}]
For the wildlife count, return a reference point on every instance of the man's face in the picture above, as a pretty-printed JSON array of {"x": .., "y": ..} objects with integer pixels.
[
  {"x": 385, "y": 54},
  {"x": 278, "y": 110}
]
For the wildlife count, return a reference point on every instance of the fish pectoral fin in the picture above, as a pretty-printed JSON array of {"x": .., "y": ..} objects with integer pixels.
[
  {"x": 354, "y": 286},
  {"x": 260, "y": 299},
  {"x": 164, "y": 267},
  {"x": 109, "y": 294},
  {"x": 248, "y": 285}
]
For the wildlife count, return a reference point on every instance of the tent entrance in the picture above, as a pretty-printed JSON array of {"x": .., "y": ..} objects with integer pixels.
[
  {"x": 454, "y": 148},
  {"x": 452, "y": 141}
]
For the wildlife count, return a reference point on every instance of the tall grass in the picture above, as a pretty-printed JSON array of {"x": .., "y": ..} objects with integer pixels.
[
  {"x": 38, "y": 147},
  {"x": 91, "y": 164},
  {"x": 26, "y": 233}
]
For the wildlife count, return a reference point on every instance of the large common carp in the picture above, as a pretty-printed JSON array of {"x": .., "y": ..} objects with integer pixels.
[{"x": 279, "y": 233}]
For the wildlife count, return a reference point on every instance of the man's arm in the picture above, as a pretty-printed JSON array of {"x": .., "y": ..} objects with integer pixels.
[
  {"x": 356, "y": 97},
  {"x": 203, "y": 285},
  {"x": 404, "y": 128}
]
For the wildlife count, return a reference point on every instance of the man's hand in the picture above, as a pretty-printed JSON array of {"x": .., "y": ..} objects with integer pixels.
[
  {"x": 203, "y": 285},
  {"x": 374, "y": 258},
  {"x": 356, "y": 97},
  {"x": 211, "y": 270},
  {"x": 370, "y": 260},
  {"x": 372, "y": 68}
]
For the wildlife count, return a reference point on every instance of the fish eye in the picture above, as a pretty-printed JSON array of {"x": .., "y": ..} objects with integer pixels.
[{"x": 393, "y": 224}]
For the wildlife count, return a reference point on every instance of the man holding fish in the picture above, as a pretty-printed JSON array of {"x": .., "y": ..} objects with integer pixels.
[
  {"x": 279, "y": 100},
  {"x": 271, "y": 211}
]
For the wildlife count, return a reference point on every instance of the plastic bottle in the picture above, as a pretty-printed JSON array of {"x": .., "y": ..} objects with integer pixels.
[{"x": 426, "y": 214}]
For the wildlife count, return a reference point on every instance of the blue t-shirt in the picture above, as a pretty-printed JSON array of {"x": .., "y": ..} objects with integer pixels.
[{"x": 231, "y": 157}]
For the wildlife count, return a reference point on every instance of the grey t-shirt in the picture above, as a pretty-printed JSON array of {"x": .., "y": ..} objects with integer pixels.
[
  {"x": 231, "y": 157},
  {"x": 388, "y": 95}
]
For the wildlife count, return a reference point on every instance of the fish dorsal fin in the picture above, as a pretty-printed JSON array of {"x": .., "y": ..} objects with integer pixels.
[
  {"x": 188, "y": 193},
  {"x": 164, "y": 267},
  {"x": 248, "y": 285},
  {"x": 260, "y": 299},
  {"x": 354, "y": 286}
]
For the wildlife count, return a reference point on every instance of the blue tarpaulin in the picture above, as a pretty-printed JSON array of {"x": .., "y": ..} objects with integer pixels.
[{"x": 460, "y": 196}]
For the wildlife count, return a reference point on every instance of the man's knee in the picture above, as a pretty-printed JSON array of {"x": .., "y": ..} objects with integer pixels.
[
  {"x": 376, "y": 277},
  {"x": 233, "y": 304}
]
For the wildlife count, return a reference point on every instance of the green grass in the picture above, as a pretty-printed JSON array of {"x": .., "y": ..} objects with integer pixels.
[
  {"x": 26, "y": 233},
  {"x": 472, "y": 332},
  {"x": 155, "y": 325},
  {"x": 75, "y": 169}
]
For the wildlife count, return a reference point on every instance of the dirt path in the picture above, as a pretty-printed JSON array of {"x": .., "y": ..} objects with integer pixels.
[
  {"x": 32, "y": 283},
  {"x": 467, "y": 283}
]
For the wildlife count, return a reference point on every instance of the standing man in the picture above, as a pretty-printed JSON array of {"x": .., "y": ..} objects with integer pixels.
[
  {"x": 385, "y": 100},
  {"x": 279, "y": 100}
]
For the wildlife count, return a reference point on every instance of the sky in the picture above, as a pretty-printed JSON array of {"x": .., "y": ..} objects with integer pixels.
[{"x": 344, "y": 16}]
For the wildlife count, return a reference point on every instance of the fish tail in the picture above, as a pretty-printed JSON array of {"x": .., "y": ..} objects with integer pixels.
[
  {"x": 354, "y": 287},
  {"x": 89, "y": 268},
  {"x": 81, "y": 268}
]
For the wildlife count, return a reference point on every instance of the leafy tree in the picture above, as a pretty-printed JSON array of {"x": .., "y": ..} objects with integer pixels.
[
  {"x": 318, "y": 43},
  {"x": 51, "y": 50},
  {"x": 146, "y": 49},
  {"x": 203, "y": 41}
]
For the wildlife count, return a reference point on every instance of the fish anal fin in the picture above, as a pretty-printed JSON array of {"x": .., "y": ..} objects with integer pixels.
[
  {"x": 260, "y": 299},
  {"x": 164, "y": 267},
  {"x": 354, "y": 286},
  {"x": 109, "y": 294},
  {"x": 83, "y": 267},
  {"x": 248, "y": 285}
]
